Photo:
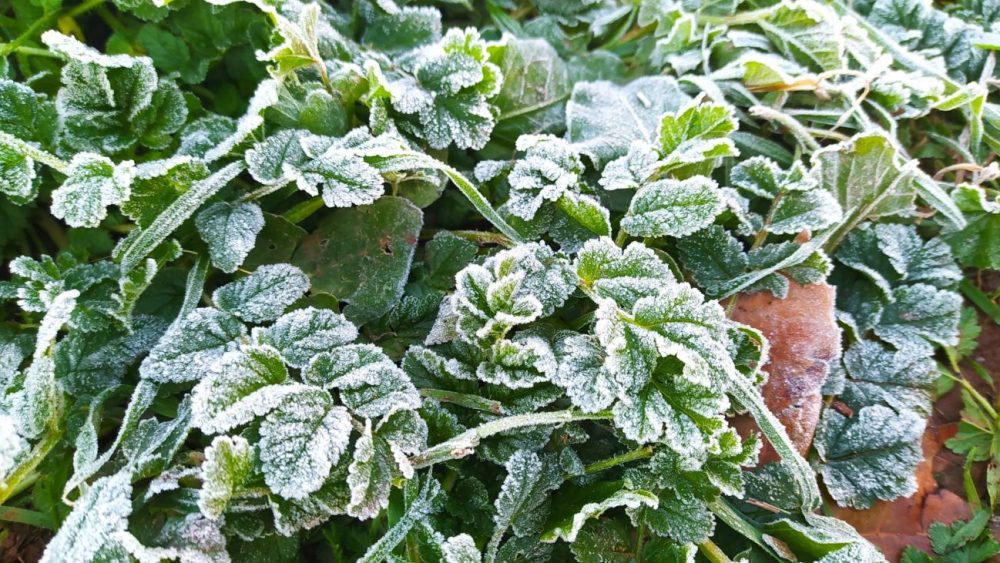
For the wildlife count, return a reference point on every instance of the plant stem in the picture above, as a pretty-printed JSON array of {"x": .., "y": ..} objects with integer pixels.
[
  {"x": 470, "y": 191},
  {"x": 713, "y": 553},
  {"x": 788, "y": 122},
  {"x": 466, "y": 442},
  {"x": 732, "y": 517},
  {"x": 464, "y": 400},
  {"x": 52, "y": 436},
  {"x": 629, "y": 456},
  {"x": 980, "y": 299},
  {"x": 45, "y": 22},
  {"x": 303, "y": 210},
  {"x": 34, "y": 153},
  {"x": 24, "y": 516},
  {"x": 801, "y": 473}
]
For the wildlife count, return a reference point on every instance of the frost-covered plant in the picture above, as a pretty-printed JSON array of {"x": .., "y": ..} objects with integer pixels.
[{"x": 248, "y": 317}]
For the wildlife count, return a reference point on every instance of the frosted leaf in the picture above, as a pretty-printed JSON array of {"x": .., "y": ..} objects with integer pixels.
[
  {"x": 274, "y": 160},
  {"x": 264, "y": 97},
  {"x": 17, "y": 175},
  {"x": 573, "y": 506},
  {"x": 870, "y": 456},
  {"x": 38, "y": 401},
  {"x": 900, "y": 379},
  {"x": 370, "y": 385},
  {"x": 762, "y": 177},
  {"x": 809, "y": 33},
  {"x": 973, "y": 245},
  {"x": 890, "y": 254},
  {"x": 623, "y": 276},
  {"x": 302, "y": 334},
  {"x": 629, "y": 172},
  {"x": 673, "y": 208},
  {"x": 549, "y": 168},
  {"x": 74, "y": 50},
  {"x": 332, "y": 498},
  {"x": 714, "y": 257},
  {"x": 15, "y": 346},
  {"x": 863, "y": 175},
  {"x": 246, "y": 384},
  {"x": 227, "y": 465},
  {"x": 695, "y": 134},
  {"x": 300, "y": 441},
  {"x": 369, "y": 477},
  {"x": 576, "y": 219},
  {"x": 26, "y": 114},
  {"x": 603, "y": 119},
  {"x": 188, "y": 539},
  {"x": 191, "y": 347},
  {"x": 920, "y": 315},
  {"x": 98, "y": 516},
  {"x": 461, "y": 549},
  {"x": 379, "y": 456},
  {"x": 88, "y": 363},
  {"x": 676, "y": 322},
  {"x": 680, "y": 518},
  {"x": 204, "y": 133},
  {"x": 263, "y": 295},
  {"x": 347, "y": 179},
  {"x": 588, "y": 383},
  {"x": 798, "y": 211},
  {"x": 230, "y": 231},
  {"x": 465, "y": 119},
  {"x": 683, "y": 415},
  {"x": 487, "y": 170},
  {"x": 12, "y": 446},
  {"x": 108, "y": 103},
  {"x": 522, "y": 501},
  {"x": 519, "y": 363},
  {"x": 512, "y": 288},
  {"x": 93, "y": 182}
]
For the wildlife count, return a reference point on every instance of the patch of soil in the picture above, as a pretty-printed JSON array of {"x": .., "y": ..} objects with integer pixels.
[{"x": 22, "y": 544}]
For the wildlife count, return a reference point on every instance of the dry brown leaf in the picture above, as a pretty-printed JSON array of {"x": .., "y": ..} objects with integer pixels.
[{"x": 804, "y": 339}]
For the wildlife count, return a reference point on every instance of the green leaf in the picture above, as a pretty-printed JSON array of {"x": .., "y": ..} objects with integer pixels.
[
  {"x": 93, "y": 183},
  {"x": 673, "y": 208},
  {"x": 378, "y": 456},
  {"x": 549, "y": 168},
  {"x": 302, "y": 334},
  {"x": 603, "y": 119},
  {"x": 191, "y": 347},
  {"x": 573, "y": 506},
  {"x": 870, "y": 456},
  {"x": 524, "y": 496},
  {"x": 976, "y": 244},
  {"x": 230, "y": 231},
  {"x": 864, "y": 175},
  {"x": 714, "y": 258},
  {"x": 227, "y": 465},
  {"x": 577, "y": 219},
  {"x": 694, "y": 137},
  {"x": 93, "y": 526},
  {"x": 363, "y": 255},
  {"x": 624, "y": 276},
  {"x": 535, "y": 82},
  {"x": 290, "y": 516},
  {"x": 671, "y": 409},
  {"x": 921, "y": 315},
  {"x": 421, "y": 506},
  {"x": 245, "y": 384},
  {"x": 25, "y": 114},
  {"x": 370, "y": 385},
  {"x": 901, "y": 380},
  {"x": 809, "y": 33},
  {"x": 582, "y": 373},
  {"x": 300, "y": 442},
  {"x": 444, "y": 256},
  {"x": 680, "y": 518},
  {"x": 512, "y": 288},
  {"x": 263, "y": 295}
]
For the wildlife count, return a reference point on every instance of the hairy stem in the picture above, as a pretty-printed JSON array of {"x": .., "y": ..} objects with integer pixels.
[
  {"x": 34, "y": 153},
  {"x": 464, "y": 400},
  {"x": 627, "y": 457},
  {"x": 466, "y": 442},
  {"x": 801, "y": 472}
]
